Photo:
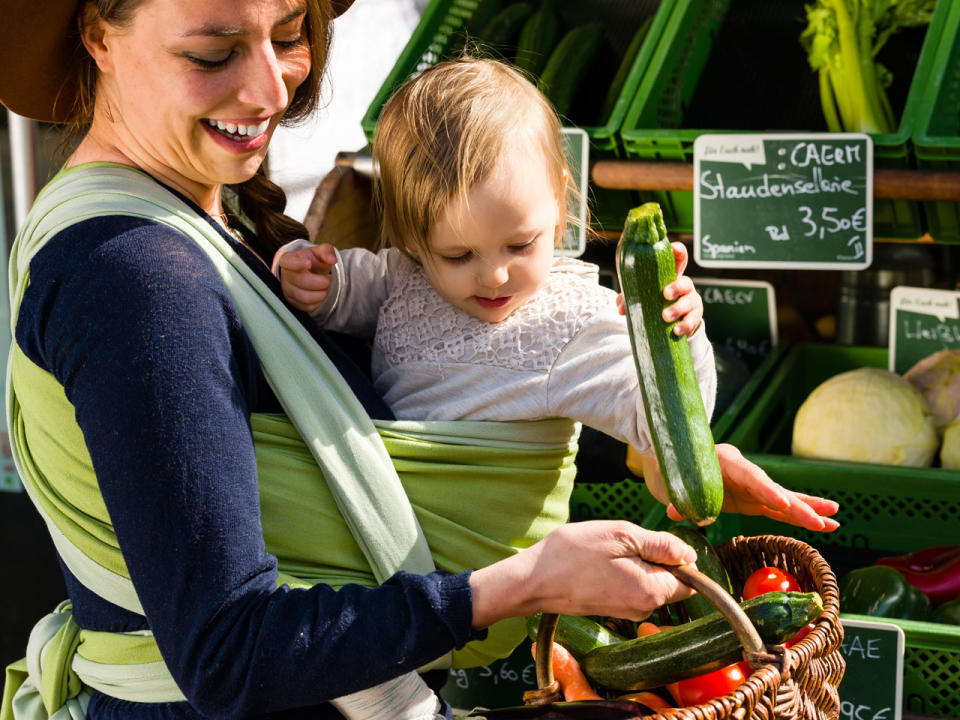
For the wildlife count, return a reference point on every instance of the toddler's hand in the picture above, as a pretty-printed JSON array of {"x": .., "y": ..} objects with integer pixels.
[
  {"x": 688, "y": 306},
  {"x": 305, "y": 275}
]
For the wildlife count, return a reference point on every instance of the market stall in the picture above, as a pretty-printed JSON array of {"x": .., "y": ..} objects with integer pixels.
[{"x": 807, "y": 153}]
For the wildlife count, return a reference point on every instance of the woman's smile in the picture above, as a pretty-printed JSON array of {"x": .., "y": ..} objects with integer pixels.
[{"x": 238, "y": 137}]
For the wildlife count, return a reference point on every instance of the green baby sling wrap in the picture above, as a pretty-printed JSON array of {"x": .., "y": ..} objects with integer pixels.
[{"x": 343, "y": 499}]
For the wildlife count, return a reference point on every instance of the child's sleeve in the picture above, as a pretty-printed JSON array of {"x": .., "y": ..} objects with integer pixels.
[{"x": 594, "y": 379}]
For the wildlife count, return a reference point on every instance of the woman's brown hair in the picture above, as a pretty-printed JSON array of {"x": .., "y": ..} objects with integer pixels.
[
  {"x": 444, "y": 131},
  {"x": 259, "y": 199}
]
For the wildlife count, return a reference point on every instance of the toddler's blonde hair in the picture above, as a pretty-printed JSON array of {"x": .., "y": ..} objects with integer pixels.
[{"x": 445, "y": 130}]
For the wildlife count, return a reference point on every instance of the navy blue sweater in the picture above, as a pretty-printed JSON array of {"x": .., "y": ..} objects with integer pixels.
[{"x": 135, "y": 323}]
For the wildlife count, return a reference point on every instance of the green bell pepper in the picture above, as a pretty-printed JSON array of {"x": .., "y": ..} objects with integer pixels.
[
  {"x": 882, "y": 591},
  {"x": 948, "y": 613}
]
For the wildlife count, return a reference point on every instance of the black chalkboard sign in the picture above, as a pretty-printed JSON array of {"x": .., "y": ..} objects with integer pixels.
[
  {"x": 577, "y": 150},
  {"x": 783, "y": 200},
  {"x": 740, "y": 315},
  {"x": 922, "y": 321},
  {"x": 500, "y": 684},
  {"x": 872, "y": 685}
]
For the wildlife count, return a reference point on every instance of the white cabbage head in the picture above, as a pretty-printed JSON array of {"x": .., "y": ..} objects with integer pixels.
[
  {"x": 866, "y": 415},
  {"x": 950, "y": 450}
]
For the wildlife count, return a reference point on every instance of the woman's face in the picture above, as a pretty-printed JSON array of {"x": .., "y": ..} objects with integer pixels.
[{"x": 195, "y": 88}]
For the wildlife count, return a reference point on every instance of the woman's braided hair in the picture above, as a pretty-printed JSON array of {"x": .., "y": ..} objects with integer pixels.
[{"x": 259, "y": 199}]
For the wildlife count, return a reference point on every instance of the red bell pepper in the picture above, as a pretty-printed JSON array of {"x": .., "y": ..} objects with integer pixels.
[{"x": 934, "y": 571}]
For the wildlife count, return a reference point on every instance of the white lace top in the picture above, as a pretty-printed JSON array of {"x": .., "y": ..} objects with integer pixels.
[{"x": 566, "y": 353}]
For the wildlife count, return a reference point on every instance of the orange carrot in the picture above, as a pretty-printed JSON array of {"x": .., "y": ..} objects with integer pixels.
[
  {"x": 646, "y": 628},
  {"x": 566, "y": 670}
]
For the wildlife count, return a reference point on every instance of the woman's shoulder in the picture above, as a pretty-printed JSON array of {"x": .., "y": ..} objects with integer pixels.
[{"x": 129, "y": 254}]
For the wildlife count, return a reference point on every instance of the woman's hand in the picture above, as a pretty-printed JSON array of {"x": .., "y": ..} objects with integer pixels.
[
  {"x": 687, "y": 307},
  {"x": 597, "y": 567},
  {"x": 747, "y": 490}
]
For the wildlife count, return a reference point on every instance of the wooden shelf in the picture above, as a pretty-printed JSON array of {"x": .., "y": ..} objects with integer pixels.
[{"x": 888, "y": 184}]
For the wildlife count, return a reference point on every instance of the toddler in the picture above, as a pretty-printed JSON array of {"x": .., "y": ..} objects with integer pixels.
[{"x": 472, "y": 315}]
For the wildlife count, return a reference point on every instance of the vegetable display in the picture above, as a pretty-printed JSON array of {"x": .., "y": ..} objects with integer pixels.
[
  {"x": 691, "y": 662},
  {"x": 537, "y": 39},
  {"x": 937, "y": 377},
  {"x": 562, "y": 59},
  {"x": 948, "y": 613},
  {"x": 842, "y": 40},
  {"x": 577, "y": 634},
  {"x": 569, "y": 64},
  {"x": 866, "y": 415},
  {"x": 699, "y": 646},
  {"x": 769, "y": 579},
  {"x": 573, "y": 683},
  {"x": 935, "y": 571},
  {"x": 674, "y": 408},
  {"x": 882, "y": 591},
  {"x": 709, "y": 563}
]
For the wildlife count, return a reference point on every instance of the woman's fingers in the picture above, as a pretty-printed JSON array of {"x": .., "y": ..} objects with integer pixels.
[{"x": 741, "y": 475}]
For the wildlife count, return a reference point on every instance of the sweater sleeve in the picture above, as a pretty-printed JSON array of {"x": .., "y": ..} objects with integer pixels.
[
  {"x": 594, "y": 379},
  {"x": 150, "y": 351},
  {"x": 361, "y": 281}
]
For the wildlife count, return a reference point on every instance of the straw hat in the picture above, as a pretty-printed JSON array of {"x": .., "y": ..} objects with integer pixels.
[{"x": 36, "y": 46}]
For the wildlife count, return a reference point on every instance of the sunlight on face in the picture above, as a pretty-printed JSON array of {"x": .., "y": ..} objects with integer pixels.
[
  {"x": 490, "y": 253},
  {"x": 198, "y": 86}
]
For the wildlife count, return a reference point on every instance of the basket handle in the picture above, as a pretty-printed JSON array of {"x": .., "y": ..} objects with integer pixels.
[{"x": 689, "y": 575}]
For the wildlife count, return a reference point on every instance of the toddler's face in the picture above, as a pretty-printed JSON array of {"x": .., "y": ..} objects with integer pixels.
[{"x": 490, "y": 253}]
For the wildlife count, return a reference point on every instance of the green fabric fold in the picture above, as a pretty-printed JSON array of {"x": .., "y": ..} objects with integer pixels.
[{"x": 404, "y": 495}]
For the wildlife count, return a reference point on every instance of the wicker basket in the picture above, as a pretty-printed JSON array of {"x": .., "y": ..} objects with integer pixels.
[{"x": 793, "y": 683}]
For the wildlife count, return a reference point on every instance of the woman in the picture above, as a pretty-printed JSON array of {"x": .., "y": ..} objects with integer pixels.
[{"x": 146, "y": 418}]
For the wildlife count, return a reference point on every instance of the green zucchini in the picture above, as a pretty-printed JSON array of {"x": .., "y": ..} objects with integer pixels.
[
  {"x": 623, "y": 70},
  {"x": 708, "y": 562},
  {"x": 674, "y": 408},
  {"x": 699, "y": 646},
  {"x": 500, "y": 34},
  {"x": 568, "y": 64},
  {"x": 577, "y": 634},
  {"x": 537, "y": 39}
]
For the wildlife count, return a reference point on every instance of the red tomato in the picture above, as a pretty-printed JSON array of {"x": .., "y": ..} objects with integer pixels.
[
  {"x": 769, "y": 579},
  {"x": 702, "y": 688}
]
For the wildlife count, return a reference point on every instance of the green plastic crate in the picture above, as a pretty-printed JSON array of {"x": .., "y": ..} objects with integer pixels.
[
  {"x": 884, "y": 509},
  {"x": 931, "y": 666},
  {"x": 436, "y": 32},
  {"x": 698, "y": 47},
  {"x": 936, "y": 139}
]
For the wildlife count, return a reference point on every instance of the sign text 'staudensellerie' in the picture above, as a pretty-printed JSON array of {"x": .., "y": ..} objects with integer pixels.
[{"x": 776, "y": 200}]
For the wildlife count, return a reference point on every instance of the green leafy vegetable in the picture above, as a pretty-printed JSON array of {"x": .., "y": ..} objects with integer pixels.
[{"x": 842, "y": 39}]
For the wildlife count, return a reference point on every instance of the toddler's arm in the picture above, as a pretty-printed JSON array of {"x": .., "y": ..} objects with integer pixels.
[
  {"x": 305, "y": 272},
  {"x": 341, "y": 289},
  {"x": 594, "y": 379}
]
